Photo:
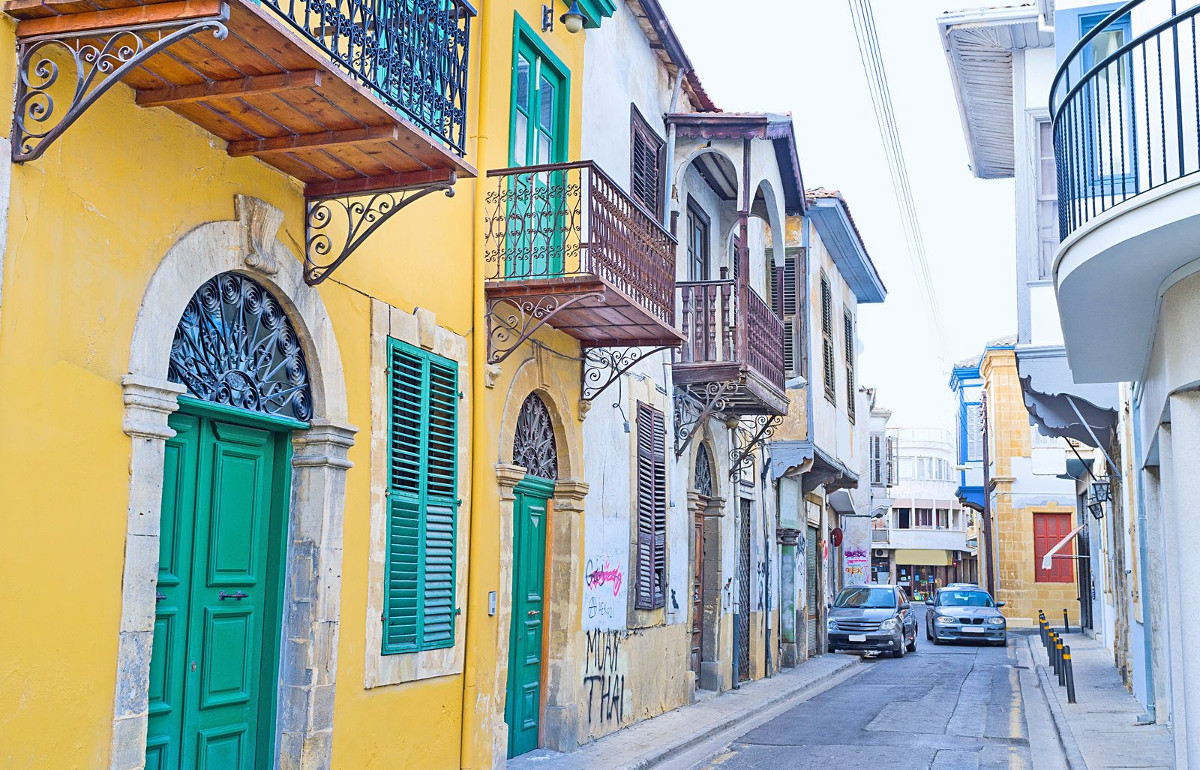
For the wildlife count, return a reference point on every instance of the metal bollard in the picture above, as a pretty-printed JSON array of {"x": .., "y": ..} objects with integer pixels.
[
  {"x": 1066, "y": 623},
  {"x": 1070, "y": 674},
  {"x": 1062, "y": 664},
  {"x": 1052, "y": 652}
]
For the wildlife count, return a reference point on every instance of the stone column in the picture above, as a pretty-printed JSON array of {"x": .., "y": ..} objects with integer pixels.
[
  {"x": 507, "y": 478},
  {"x": 562, "y": 729},
  {"x": 148, "y": 404},
  {"x": 711, "y": 677},
  {"x": 312, "y": 594},
  {"x": 788, "y": 540},
  {"x": 1185, "y": 491}
]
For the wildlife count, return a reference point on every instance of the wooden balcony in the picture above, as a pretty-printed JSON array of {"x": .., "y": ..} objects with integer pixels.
[
  {"x": 348, "y": 96},
  {"x": 733, "y": 337},
  {"x": 567, "y": 247}
]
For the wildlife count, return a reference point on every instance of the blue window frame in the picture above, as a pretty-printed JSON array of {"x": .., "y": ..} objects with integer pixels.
[{"x": 1111, "y": 152}]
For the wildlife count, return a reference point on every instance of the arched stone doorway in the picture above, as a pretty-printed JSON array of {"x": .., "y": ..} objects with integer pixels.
[
  {"x": 707, "y": 508},
  {"x": 244, "y": 254}
]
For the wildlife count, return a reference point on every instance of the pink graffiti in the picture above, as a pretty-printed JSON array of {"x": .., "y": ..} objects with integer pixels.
[
  {"x": 606, "y": 574},
  {"x": 856, "y": 553}
]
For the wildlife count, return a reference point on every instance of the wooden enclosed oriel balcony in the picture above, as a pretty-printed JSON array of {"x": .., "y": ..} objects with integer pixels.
[
  {"x": 567, "y": 247},
  {"x": 734, "y": 340},
  {"x": 348, "y": 96}
]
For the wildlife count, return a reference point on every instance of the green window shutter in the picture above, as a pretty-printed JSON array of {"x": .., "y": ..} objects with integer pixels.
[
  {"x": 651, "y": 575},
  {"x": 419, "y": 591}
]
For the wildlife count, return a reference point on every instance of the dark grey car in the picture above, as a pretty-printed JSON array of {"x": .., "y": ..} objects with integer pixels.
[
  {"x": 965, "y": 614},
  {"x": 873, "y": 618}
]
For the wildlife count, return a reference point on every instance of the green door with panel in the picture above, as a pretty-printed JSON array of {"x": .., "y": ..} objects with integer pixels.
[
  {"x": 214, "y": 662},
  {"x": 524, "y": 704},
  {"x": 538, "y": 136}
]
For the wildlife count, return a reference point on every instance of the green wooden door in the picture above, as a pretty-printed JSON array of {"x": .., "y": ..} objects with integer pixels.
[
  {"x": 539, "y": 201},
  {"x": 524, "y": 704},
  {"x": 216, "y": 636}
]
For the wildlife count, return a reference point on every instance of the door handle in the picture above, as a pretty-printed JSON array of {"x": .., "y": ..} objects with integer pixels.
[
  {"x": 534, "y": 612},
  {"x": 236, "y": 595},
  {"x": 158, "y": 597}
]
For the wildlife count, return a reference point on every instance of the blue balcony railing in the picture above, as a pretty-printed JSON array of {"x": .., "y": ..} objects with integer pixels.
[
  {"x": 414, "y": 54},
  {"x": 1126, "y": 108}
]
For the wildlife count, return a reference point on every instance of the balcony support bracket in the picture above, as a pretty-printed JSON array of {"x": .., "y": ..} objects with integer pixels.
[
  {"x": 99, "y": 48},
  {"x": 604, "y": 366},
  {"x": 513, "y": 320},
  {"x": 693, "y": 409},
  {"x": 336, "y": 225},
  {"x": 755, "y": 432}
]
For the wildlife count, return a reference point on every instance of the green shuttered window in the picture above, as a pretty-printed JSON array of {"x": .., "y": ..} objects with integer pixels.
[
  {"x": 651, "y": 508},
  {"x": 419, "y": 595}
]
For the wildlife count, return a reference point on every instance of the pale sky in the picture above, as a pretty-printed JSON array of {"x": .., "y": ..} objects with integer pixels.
[{"x": 800, "y": 56}]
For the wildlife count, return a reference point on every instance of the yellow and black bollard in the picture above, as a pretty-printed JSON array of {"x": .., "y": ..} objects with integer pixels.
[
  {"x": 1062, "y": 667},
  {"x": 1069, "y": 674}
]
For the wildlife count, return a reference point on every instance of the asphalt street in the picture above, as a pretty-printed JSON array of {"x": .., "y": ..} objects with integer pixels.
[{"x": 943, "y": 707}]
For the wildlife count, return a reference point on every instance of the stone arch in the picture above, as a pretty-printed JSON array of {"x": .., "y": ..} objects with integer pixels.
[
  {"x": 765, "y": 201},
  {"x": 708, "y": 149},
  {"x": 248, "y": 245},
  {"x": 564, "y": 584}
]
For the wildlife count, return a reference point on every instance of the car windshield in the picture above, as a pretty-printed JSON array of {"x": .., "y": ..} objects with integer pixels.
[
  {"x": 965, "y": 599},
  {"x": 863, "y": 597}
]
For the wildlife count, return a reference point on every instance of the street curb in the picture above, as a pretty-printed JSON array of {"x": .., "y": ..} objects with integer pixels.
[
  {"x": 1066, "y": 738},
  {"x": 697, "y": 738}
]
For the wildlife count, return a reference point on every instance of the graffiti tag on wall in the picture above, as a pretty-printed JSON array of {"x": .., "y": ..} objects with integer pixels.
[
  {"x": 857, "y": 562},
  {"x": 604, "y": 678},
  {"x": 603, "y": 592}
]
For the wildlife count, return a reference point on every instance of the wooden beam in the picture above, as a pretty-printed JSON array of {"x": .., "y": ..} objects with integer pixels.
[
  {"x": 219, "y": 89},
  {"x": 294, "y": 142},
  {"x": 117, "y": 19},
  {"x": 391, "y": 182}
]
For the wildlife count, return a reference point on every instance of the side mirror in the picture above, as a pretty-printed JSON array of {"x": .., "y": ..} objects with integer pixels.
[
  {"x": 905, "y": 606},
  {"x": 929, "y": 602},
  {"x": 1001, "y": 604},
  {"x": 829, "y": 606}
]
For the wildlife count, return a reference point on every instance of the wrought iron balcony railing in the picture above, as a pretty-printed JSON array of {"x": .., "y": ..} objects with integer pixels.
[
  {"x": 1126, "y": 109},
  {"x": 558, "y": 224},
  {"x": 414, "y": 54},
  {"x": 721, "y": 330}
]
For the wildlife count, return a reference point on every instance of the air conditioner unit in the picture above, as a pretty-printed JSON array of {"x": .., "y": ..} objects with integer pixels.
[{"x": 881, "y": 553}]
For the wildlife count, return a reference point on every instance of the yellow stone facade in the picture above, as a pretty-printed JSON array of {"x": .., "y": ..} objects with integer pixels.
[{"x": 1009, "y": 441}]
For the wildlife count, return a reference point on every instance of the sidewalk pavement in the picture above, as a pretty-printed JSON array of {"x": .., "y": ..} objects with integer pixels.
[
  {"x": 647, "y": 743},
  {"x": 1100, "y": 729}
]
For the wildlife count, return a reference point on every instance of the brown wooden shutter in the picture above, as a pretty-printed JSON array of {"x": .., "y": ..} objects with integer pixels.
[
  {"x": 646, "y": 156},
  {"x": 651, "y": 508}
]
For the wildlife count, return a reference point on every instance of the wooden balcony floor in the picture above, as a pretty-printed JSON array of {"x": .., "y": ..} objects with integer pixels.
[
  {"x": 272, "y": 95},
  {"x": 751, "y": 393},
  {"x": 616, "y": 320}
]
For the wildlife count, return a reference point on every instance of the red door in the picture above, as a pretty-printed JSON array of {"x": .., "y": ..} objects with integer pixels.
[{"x": 1048, "y": 531}]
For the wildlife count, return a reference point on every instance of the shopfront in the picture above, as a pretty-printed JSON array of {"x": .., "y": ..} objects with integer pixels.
[{"x": 922, "y": 571}]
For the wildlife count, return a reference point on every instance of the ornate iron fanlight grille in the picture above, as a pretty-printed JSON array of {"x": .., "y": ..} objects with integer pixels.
[
  {"x": 234, "y": 345},
  {"x": 704, "y": 479},
  {"x": 533, "y": 447}
]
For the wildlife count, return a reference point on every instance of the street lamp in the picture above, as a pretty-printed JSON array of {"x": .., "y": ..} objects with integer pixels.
[{"x": 574, "y": 18}]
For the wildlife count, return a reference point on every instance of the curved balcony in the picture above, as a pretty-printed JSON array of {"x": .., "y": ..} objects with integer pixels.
[{"x": 1126, "y": 110}]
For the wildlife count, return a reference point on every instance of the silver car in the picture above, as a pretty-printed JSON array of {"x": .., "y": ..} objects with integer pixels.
[{"x": 965, "y": 613}]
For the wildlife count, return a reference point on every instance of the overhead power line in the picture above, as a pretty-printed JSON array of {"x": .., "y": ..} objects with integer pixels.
[{"x": 881, "y": 98}]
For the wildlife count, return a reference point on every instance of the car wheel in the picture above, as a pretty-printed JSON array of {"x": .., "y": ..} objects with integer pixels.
[
  {"x": 928, "y": 635},
  {"x": 912, "y": 646},
  {"x": 899, "y": 651}
]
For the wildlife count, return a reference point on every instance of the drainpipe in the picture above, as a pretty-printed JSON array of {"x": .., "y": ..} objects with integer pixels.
[
  {"x": 1143, "y": 554},
  {"x": 768, "y": 551},
  {"x": 676, "y": 93},
  {"x": 987, "y": 498},
  {"x": 479, "y": 411}
]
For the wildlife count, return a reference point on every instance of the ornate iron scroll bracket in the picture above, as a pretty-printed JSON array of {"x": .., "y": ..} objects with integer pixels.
[
  {"x": 100, "y": 58},
  {"x": 692, "y": 410},
  {"x": 335, "y": 226},
  {"x": 508, "y": 328},
  {"x": 604, "y": 366},
  {"x": 756, "y": 431}
]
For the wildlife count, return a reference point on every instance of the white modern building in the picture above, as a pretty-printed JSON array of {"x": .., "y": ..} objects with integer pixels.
[{"x": 921, "y": 541}]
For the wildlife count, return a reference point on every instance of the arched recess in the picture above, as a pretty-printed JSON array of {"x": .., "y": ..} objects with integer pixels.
[
  {"x": 768, "y": 206},
  {"x": 707, "y": 507},
  {"x": 308, "y": 660},
  {"x": 564, "y": 584}
]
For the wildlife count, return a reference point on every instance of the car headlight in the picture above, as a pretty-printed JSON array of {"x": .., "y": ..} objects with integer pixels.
[
  {"x": 995, "y": 621},
  {"x": 891, "y": 624},
  {"x": 832, "y": 625},
  {"x": 943, "y": 620}
]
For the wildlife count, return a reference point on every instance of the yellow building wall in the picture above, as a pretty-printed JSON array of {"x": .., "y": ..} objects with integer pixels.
[
  {"x": 88, "y": 224},
  {"x": 1010, "y": 438}
]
